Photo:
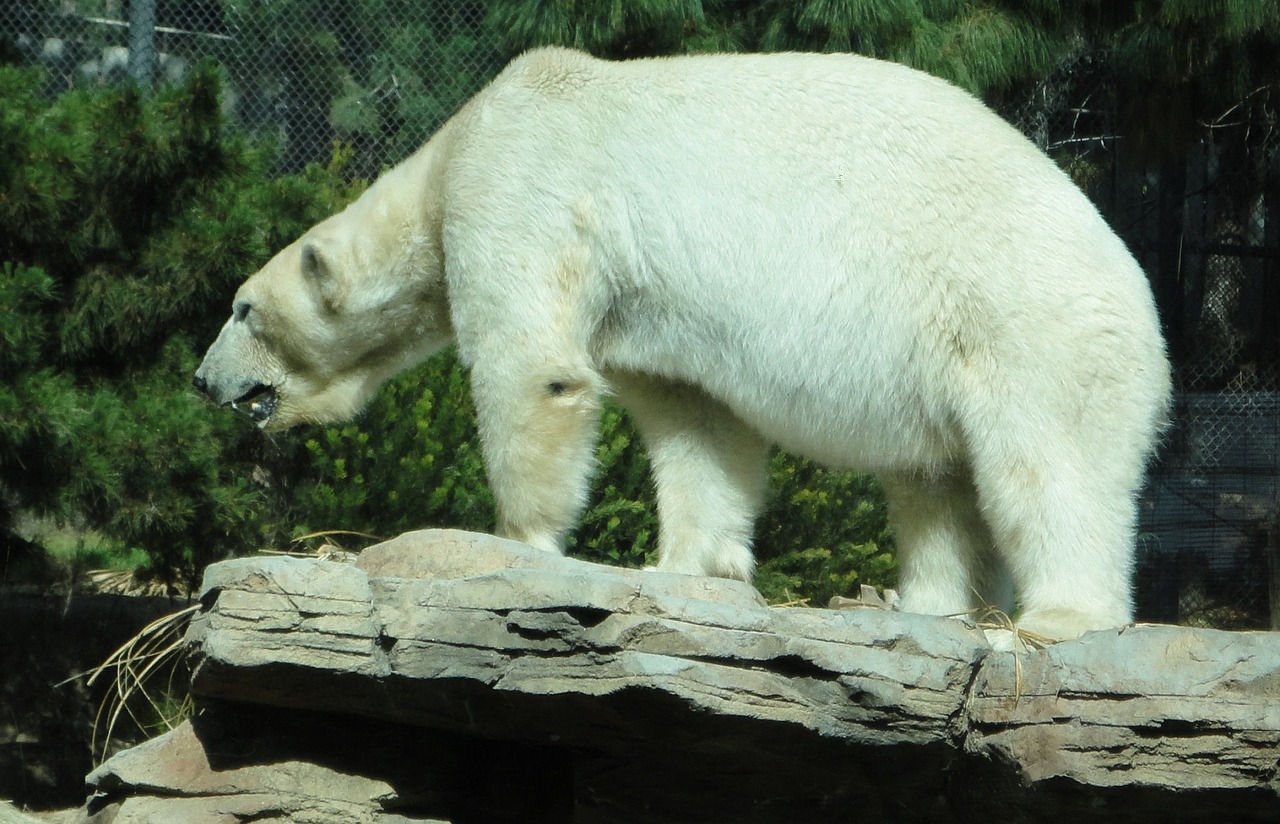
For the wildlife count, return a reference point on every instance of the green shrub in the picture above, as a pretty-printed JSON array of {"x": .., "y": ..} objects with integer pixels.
[
  {"x": 410, "y": 461},
  {"x": 823, "y": 533}
]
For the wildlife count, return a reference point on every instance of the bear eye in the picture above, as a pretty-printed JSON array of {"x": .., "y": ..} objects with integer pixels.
[{"x": 240, "y": 311}]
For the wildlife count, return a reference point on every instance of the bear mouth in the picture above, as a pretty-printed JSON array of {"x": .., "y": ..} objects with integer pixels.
[{"x": 258, "y": 404}]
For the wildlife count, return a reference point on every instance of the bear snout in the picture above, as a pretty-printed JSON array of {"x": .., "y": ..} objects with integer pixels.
[
  {"x": 223, "y": 390},
  {"x": 258, "y": 401}
]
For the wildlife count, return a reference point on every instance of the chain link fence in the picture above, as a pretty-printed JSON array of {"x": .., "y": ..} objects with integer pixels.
[
  {"x": 1215, "y": 503},
  {"x": 374, "y": 78}
]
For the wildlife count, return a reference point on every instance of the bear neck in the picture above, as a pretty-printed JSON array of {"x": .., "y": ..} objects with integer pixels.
[{"x": 404, "y": 210}]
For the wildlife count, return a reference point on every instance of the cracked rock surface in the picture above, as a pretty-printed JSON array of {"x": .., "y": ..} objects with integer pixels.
[{"x": 458, "y": 677}]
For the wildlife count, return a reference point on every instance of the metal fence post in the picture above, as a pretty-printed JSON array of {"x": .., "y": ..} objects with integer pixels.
[{"x": 142, "y": 42}]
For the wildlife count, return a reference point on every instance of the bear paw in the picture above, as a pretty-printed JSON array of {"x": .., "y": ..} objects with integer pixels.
[{"x": 1037, "y": 630}]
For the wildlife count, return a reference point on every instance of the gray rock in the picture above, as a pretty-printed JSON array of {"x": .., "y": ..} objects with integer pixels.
[
  {"x": 526, "y": 686},
  {"x": 178, "y": 764},
  {"x": 11, "y": 815},
  {"x": 527, "y": 623},
  {"x": 233, "y": 765},
  {"x": 1165, "y": 708}
]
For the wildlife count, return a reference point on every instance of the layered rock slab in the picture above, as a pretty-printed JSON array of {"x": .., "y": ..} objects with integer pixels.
[{"x": 598, "y": 694}]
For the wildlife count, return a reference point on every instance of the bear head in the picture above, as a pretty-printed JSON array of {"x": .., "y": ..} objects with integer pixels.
[{"x": 312, "y": 335}]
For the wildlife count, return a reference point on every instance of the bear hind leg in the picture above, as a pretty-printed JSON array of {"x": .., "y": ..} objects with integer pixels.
[
  {"x": 709, "y": 472},
  {"x": 1065, "y": 529},
  {"x": 945, "y": 559}
]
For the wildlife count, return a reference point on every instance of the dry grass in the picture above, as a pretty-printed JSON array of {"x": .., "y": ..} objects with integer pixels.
[
  {"x": 790, "y": 600},
  {"x": 325, "y": 545},
  {"x": 123, "y": 582},
  {"x": 156, "y": 651},
  {"x": 989, "y": 617},
  {"x": 135, "y": 665}
]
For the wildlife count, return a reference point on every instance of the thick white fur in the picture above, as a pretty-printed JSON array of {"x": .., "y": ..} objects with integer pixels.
[{"x": 842, "y": 256}]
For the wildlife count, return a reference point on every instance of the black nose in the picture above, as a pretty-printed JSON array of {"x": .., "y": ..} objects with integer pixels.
[{"x": 200, "y": 384}]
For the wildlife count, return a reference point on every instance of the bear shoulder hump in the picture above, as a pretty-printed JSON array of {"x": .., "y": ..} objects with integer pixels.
[{"x": 552, "y": 71}]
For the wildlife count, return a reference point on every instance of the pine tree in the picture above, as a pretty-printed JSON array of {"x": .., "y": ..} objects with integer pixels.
[
  {"x": 124, "y": 226},
  {"x": 982, "y": 46},
  {"x": 1178, "y": 62},
  {"x": 377, "y": 76},
  {"x": 1183, "y": 63},
  {"x": 607, "y": 28}
]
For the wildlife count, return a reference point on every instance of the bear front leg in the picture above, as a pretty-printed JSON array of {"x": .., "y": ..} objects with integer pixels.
[
  {"x": 537, "y": 430},
  {"x": 709, "y": 471}
]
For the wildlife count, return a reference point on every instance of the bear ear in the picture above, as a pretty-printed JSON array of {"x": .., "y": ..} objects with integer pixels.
[{"x": 319, "y": 271}]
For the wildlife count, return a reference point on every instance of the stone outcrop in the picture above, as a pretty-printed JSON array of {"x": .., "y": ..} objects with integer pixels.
[{"x": 458, "y": 677}]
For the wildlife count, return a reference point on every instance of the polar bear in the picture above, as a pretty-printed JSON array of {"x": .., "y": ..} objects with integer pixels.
[{"x": 842, "y": 256}]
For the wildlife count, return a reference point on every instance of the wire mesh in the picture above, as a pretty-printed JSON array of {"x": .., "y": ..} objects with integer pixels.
[{"x": 374, "y": 78}]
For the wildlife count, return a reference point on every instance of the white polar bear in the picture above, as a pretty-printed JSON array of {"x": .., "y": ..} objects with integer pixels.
[{"x": 846, "y": 257}]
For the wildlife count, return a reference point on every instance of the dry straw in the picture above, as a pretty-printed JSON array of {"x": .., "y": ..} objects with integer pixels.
[
  {"x": 156, "y": 650},
  {"x": 133, "y": 666}
]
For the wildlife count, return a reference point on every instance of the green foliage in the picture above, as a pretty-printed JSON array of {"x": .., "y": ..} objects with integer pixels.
[
  {"x": 1183, "y": 63},
  {"x": 985, "y": 47},
  {"x": 375, "y": 75},
  {"x": 620, "y": 525},
  {"x": 1179, "y": 62},
  {"x": 411, "y": 461},
  {"x": 604, "y": 27},
  {"x": 124, "y": 225},
  {"x": 23, "y": 290},
  {"x": 982, "y": 48},
  {"x": 823, "y": 533},
  {"x": 864, "y": 26},
  {"x": 90, "y": 198}
]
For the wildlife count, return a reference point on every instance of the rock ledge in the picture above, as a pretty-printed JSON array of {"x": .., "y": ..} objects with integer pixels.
[{"x": 459, "y": 677}]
